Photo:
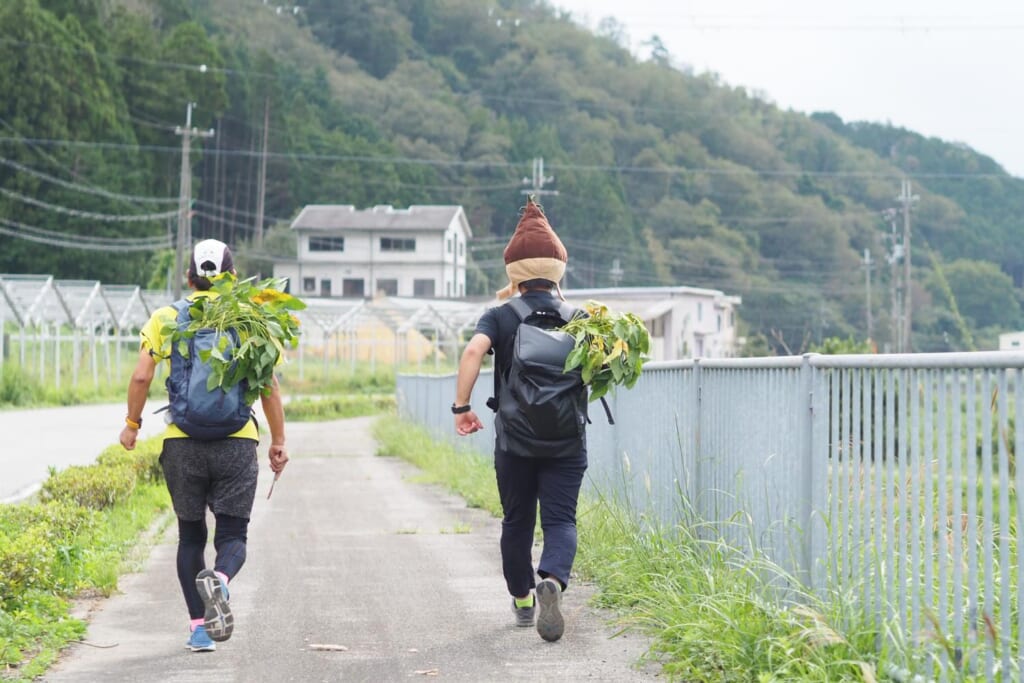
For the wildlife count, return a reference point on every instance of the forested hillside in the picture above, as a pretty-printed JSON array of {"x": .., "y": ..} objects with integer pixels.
[{"x": 683, "y": 179}]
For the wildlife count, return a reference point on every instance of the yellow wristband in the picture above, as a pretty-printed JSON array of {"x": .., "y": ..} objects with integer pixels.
[{"x": 132, "y": 423}]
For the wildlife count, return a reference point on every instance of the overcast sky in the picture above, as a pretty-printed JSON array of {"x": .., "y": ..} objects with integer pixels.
[{"x": 953, "y": 70}]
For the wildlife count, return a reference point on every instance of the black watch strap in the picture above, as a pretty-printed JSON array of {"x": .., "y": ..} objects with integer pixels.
[{"x": 456, "y": 410}]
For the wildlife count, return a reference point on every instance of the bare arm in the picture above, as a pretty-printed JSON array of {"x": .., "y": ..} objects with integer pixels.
[
  {"x": 469, "y": 370},
  {"x": 138, "y": 390},
  {"x": 273, "y": 410}
]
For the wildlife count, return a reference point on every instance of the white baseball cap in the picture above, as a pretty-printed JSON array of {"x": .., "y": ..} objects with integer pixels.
[{"x": 211, "y": 258}]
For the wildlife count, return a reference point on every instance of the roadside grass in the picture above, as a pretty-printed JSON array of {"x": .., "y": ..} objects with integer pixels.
[
  {"x": 338, "y": 407},
  {"x": 713, "y": 613},
  {"x": 21, "y": 387},
  {"x": 462, "y": 472},
  {"x": 57, "y": 549}
]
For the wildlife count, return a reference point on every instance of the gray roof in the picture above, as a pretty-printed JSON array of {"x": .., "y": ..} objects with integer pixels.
[{"x": 381, "y": 217}]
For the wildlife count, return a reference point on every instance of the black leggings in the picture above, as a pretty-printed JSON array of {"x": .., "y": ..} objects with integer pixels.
[{"x": 229, "y": 540}]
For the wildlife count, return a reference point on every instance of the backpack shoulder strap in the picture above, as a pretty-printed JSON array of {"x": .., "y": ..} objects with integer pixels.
[
  {"x": 567, "y": 311},
  {"x": 182, "y": 306},
  {"x": 520, "y": 308}
]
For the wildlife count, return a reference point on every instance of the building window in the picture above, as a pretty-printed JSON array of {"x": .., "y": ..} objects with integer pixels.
[
  {"x": 327, "y": 244},
  {"x": 388, "y": 287},
  {"x": 352, "y": 287},
  {"x": 325, "y": 288},
  {"x": 700, "y": 311},
  {"x": 448, "y": 289},
  {"x": 462, "y": 289},
  {"x": 423, "y": 288},
  {"x": 462, "y": 248},
  {"x": 449, "y": 241},
  {"x": 309, "y": 284},
  {"x": 397, "y": 244},
  {"x": 732, "y": 318},
  {"x": 719, "y": 322}
]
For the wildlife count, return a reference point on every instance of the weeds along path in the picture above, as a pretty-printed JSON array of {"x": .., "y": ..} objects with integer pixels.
[{"x": 355, "y": 572}]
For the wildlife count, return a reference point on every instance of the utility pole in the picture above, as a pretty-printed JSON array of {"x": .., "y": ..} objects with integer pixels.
[
  {"x": 185, "y": 196},
  {"x": 263, "y": 176},
  {"x": 907, "y": 199},
  {"x": 868, "y": 263},
  {"x": 535, "y": 185},
  {"x": 616, "y": 272},
  {"x": 895, "y": 287}
]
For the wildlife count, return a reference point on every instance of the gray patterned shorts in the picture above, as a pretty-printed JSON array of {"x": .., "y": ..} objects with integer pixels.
[{"x": 219, "y": 474}]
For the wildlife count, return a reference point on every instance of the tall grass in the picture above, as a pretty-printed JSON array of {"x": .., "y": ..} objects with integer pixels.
[
  {"x": 337, "y": 407},
  {"x": 461, "y": 471},
  {"x": 21, "y": 386},
  {"x": 713, "y": 612}
]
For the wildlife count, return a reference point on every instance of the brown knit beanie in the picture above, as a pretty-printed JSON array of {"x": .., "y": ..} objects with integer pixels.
[{"x": 534, "y": 252}]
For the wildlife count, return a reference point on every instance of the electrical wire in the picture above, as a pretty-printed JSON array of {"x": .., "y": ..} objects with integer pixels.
[
  {"x": 107, "y": 218},
  {"x": 85, "y": 189},
  {"x": 461, "y": 163},
  {"x": 75, "y": 241}
]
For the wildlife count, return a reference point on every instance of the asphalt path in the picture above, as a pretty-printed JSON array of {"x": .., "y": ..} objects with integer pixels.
[
  {"x": 35, "y": 440},
  {"x": 355, "y": 572}
]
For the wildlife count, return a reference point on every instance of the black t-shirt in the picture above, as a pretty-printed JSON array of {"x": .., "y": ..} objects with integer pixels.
[{"x": 500, "y": 323}]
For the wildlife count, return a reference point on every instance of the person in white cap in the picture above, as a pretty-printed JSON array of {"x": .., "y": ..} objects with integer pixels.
[{"x": 220, "y": 474}]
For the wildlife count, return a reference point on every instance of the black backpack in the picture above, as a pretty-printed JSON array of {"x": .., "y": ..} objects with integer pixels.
[{"x": 541, "y": 410}]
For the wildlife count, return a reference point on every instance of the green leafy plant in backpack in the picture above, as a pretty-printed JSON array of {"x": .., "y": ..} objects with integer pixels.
[{"x": 610, "y": 348}]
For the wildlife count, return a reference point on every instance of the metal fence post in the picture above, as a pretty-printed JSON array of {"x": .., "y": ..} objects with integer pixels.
[
  {"x": 696, "y": 483},
  {"x": 805, "y": 462}
]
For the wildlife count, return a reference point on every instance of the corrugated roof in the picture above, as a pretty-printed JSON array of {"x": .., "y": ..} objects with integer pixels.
[{"x": 382, "y": 217}]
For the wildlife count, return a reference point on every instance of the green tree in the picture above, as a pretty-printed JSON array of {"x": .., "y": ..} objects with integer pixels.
[{"x": 984, "y": 294}]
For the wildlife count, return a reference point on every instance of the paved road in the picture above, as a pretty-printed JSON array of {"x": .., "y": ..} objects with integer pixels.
[
  {"x": 350, "y": 552},
  {"x": 34, "y": 440}
]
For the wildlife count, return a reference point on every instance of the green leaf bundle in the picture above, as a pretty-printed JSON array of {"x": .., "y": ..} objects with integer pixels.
[
  {"x": 611, "y": 348},
  {"x": 261, "y": 315}
]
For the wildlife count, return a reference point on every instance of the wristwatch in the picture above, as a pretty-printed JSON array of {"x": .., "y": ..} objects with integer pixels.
[{"x": 456, "y": 410}]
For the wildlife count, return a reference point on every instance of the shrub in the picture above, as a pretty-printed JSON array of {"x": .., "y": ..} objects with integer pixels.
[
  {"x": 92, "y": 486},
  {"x": 38, "y": 545},
  {"x": 144, "y": 461},
  {"x": 26, "y": 561}
]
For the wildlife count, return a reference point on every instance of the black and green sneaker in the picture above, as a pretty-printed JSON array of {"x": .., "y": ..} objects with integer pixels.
[{"x": 525, "y": 614}]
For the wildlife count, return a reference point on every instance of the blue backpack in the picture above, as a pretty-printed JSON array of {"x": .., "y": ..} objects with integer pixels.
[{"x": 203, "y": 414}]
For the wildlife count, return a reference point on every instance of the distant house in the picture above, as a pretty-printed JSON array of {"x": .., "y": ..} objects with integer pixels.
[
  {"x": 343, "y": 252},
  {"x": 1011, "y": 341},
  {"x": 684, "y": 322}
]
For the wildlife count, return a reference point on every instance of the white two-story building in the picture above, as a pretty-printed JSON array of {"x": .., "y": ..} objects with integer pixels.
[
  {"x": 420, "y": 251},
  {"x": 684, "y": 322}
]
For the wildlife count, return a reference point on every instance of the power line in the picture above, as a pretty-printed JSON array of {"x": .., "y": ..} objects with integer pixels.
[
  {"x": 461, "y": 163},
  {"x": 104, "y": 217},
  {"x": 76, "y": 241},
  {"x": 86, "y": 189}
]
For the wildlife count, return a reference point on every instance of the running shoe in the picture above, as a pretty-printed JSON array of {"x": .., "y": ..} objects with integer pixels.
[
  {"x": 524, "y": 615},
  {"x": 200, "y": 641},
  {"x": 217, "y": 619},
  {"x": 550, "y": 624}
]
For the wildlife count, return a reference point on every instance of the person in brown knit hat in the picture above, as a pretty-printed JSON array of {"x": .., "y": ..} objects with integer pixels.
[
  {"x": 534, "y": 252},
  {"x": 530, "y": 471}
]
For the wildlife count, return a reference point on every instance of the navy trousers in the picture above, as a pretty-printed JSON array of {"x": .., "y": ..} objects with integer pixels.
[{"x": 522, "y": 484}]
